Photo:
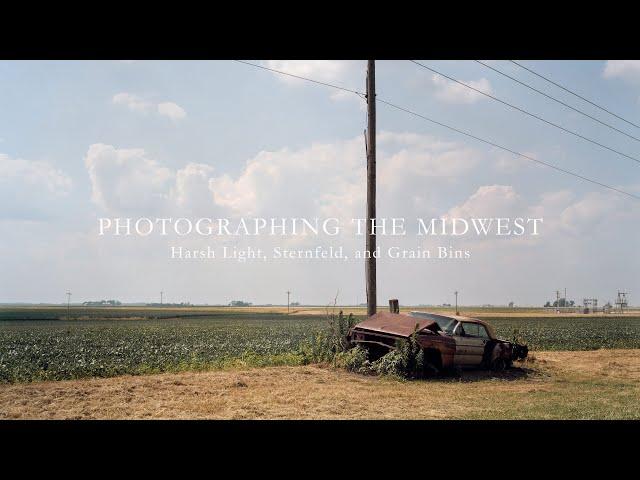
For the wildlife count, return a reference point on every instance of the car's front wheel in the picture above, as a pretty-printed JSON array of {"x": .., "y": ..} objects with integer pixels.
[{"x": 498, "y": 365}]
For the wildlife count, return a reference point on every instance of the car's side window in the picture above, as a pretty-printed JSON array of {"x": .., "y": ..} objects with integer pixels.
[
  {"x": 471, "y": 329},
  {"x": 482, "y": 331}
]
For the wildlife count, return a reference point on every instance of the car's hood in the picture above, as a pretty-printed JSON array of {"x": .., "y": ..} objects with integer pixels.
[{"x": 396, "y": 324}]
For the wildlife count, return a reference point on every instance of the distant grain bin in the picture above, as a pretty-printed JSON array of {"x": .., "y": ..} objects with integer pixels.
[{"x": 589, "y": 305}]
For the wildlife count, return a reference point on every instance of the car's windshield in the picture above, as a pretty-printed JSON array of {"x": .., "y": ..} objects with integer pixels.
[{"x": 447, "y": 325}]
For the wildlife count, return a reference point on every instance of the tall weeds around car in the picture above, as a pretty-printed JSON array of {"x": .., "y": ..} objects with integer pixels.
[{"x": 333, "y": 346}]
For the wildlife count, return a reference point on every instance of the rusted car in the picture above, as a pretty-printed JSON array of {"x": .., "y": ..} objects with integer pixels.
[{"x": 449, "y": 341}]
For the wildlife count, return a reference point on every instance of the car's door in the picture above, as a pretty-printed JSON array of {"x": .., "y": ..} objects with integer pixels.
[{"x": 470, "y": 343}]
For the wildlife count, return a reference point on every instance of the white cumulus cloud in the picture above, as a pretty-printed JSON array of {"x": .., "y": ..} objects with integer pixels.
[
  {"x": 126, "y": 179},
  {"x": 132, "y": 102},
  {"x": 34, "y": 173},
  {"x": 138, "y": 104},
  {"x": 129, "y": 181},
  {"x": 318, "y": 180},
  {"x": 322, "y": 70},
  {"x": 624, "y": 69},
  {"x": 451, "y": 92},
  {"x": 490, "y": 201},
  {"x": 344, "y": 73},
  {"x": 329, "y": 179},
  {"x": 171, "y": 110},
  {"x": 30, "y": 189},
  {"x": 191, "y": 189}
]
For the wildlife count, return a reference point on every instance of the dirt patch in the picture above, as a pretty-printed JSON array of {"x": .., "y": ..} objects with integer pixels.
[{"x": 598, "y": 384}]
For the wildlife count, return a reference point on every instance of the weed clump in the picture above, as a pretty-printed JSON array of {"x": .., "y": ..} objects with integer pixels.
[
  {"x": 354, "y": 360},
  {"x": 406, "y": 361},
  {"x": 332, "y": 341},
  {"x": 334, "y": 347}
]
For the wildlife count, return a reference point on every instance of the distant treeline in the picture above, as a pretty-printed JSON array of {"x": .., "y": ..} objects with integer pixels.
[
  {"x": 102, "y": 303},
  {"x": 182, "y": 304}
]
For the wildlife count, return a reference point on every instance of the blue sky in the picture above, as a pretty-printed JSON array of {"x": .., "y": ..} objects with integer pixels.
[{"x": 221, "y": 138}]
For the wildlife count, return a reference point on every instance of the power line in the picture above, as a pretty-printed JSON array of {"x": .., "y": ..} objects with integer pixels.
[
  {"x": 493, "y": 144},
  {"x": 574, "y": 93},
  {"x": 488, "y": 142},
  {"x": 360, "y": 94},
  {"x": 528, "y": 113},
  {"x": 558, "y": 101}
]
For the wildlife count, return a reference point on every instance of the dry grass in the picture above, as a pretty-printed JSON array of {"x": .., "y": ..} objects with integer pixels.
[{"x": 597, "y": 384}]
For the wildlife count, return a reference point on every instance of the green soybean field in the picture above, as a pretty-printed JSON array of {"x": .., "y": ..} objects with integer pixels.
[{"x": 45, "y": 348}]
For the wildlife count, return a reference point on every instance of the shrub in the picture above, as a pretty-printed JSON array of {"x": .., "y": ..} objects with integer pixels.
[
  {"x": 389, "y": 364},
  {"x": 517, "y": 338},
  {"x": 326, "y": 345},
  {"x": 332, "y": 346},
  {"x": 353, "y": 360},
  {"x": 406, "y": 361},
  {"x": 339, "y": 327},
  {"x": 411, "y": 357}
]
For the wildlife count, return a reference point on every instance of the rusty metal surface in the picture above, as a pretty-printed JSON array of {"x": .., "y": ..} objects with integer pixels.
[
  {"x": 385, "y": 329},
  {"x": 394, "y": 324},
  {"x": 460, "y": 318},
  {"x": 444, "y": 344}
]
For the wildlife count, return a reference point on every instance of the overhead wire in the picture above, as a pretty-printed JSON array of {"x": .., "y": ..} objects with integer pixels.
[
  {"x": 454, "y": 129},
  {"x": 533, "y": 115},
  {"x": 559, "y": 101},
  {"x": 581, "y": 97}
]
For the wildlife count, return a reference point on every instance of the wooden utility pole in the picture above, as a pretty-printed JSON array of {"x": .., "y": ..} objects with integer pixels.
[
  {"x": 288, "y": 293},
  {"x": 456, "y": 294},
  {"x": 68, "y": 305},
  {"x": 371, "y": 188}
]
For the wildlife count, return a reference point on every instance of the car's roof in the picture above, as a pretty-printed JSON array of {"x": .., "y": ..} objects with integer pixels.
[
  {"x": 405, "y": 324},
  {"x": 461, "y": 318},
  {"x": 440, "y": 316}
]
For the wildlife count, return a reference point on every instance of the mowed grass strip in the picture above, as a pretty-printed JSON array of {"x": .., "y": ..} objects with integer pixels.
[{"x": 602, "y": 384}]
